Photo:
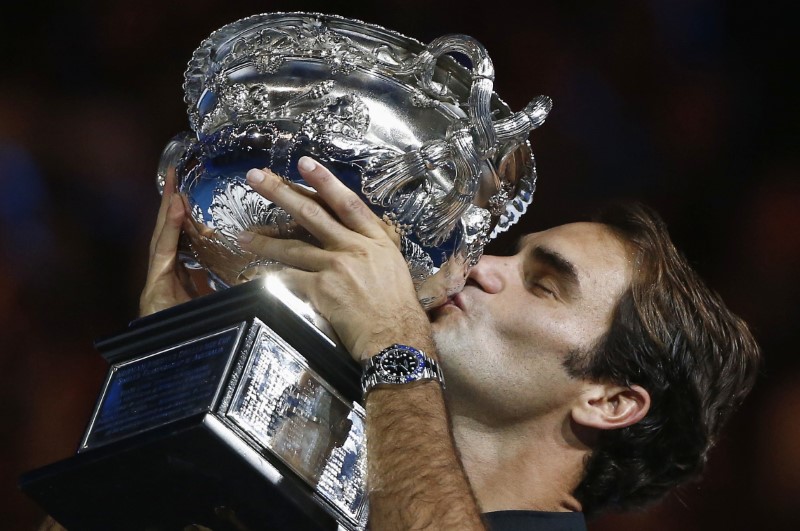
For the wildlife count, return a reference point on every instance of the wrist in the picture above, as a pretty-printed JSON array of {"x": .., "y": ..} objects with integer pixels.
[
  {"x": 399, "y": 365},
  {"x": 415, "y": 332},
  {"x": 370, "y": 348}
]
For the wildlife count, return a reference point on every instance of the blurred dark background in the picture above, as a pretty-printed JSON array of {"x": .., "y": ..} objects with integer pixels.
[{"x": 688, "y": 105}]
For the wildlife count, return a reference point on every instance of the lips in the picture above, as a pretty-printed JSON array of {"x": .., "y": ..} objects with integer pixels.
[{"x": 456, "y": 301}]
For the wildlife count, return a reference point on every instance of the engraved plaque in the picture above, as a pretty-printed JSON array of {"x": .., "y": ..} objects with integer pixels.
[{"x": 158, "y": 388}]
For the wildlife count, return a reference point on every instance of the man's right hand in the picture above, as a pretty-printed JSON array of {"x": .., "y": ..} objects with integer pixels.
[{"x": 168, "y": 283}]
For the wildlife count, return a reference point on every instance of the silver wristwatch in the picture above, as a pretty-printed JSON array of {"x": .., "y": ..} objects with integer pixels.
[{"x": 397, "y": 365}]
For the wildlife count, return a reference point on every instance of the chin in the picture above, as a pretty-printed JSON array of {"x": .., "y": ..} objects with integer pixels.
[{"x": 448, "y": 337}]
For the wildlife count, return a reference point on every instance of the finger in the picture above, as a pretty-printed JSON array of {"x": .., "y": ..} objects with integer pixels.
[
  {"x": 166, "y": 194},
  {"x": 345, "y": 203},
  {"x": 195, "y": 230},
  {"x": 391, "y": 232},
  {"x": 295, "y": 253},
  {"x": 162, "y": 214},
  {"x": 300, "y": 188},
  {"x": 308, "y": 212},
  {"x": 165, "y": 246}
]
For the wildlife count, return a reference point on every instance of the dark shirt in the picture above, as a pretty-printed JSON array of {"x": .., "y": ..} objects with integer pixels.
[{"x": 534, "y": 521}]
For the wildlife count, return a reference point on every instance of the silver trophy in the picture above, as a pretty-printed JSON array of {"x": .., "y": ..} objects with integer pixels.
[{"x": 251, "y": 375}]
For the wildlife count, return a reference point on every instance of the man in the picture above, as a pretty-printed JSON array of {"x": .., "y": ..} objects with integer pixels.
[{"x": 590, "y": 370}]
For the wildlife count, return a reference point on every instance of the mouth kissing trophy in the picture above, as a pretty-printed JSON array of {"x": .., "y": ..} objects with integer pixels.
[{"x": 239, "y": 409}]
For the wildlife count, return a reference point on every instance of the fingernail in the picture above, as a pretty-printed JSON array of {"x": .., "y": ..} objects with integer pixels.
[
  {"x": 245, "y": 237},
  {"x": 255, "y": 176},
  {"x": 306, "y": 164}
]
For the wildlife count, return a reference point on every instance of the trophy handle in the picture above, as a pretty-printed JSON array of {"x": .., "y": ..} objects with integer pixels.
[
  {"x": 486, "y": 133},
  {"x": 171, "y": 156},
  {"x": 464, "y": 150},
  {"x": 480, "y": 95}
]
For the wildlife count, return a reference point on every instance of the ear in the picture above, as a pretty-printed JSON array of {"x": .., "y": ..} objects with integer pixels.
[{"x": 608, "y": 407}]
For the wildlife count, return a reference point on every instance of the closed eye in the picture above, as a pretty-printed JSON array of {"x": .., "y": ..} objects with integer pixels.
[
  {"x": 550, "y": 274},
  {"x": 542, "y": 289}
]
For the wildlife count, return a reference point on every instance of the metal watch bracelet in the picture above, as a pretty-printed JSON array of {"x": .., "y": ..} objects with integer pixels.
[{"x": 399, "y": 365}]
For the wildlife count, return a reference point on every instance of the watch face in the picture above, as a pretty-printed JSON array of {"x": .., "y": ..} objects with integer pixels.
[{"x": 398, "y": 365}]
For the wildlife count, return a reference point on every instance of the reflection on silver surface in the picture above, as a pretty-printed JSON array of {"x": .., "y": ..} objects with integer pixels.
[
  {"x": 290, "y": 411},
  {"x": 423, "y": 140}
]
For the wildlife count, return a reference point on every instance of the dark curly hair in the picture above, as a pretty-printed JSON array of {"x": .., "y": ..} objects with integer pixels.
[{"x": 674, "y": 337}]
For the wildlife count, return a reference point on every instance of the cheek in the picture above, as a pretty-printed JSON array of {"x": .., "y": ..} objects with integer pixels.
[
  {"x": 503, "y": 373},
  {"x": 472, "y": 362},
  {"x": 551, "y": 335}
]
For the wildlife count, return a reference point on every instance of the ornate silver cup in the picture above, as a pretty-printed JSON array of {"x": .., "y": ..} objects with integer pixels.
[
  {"x": 241, "y": 410},
  {"x": 424, "y": 140}
]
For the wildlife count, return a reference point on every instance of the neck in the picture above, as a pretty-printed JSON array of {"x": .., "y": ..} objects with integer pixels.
[{"x": 534, "y": 465}]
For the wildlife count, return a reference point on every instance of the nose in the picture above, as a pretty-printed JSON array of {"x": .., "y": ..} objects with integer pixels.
[{"x": 491, "y": 273}]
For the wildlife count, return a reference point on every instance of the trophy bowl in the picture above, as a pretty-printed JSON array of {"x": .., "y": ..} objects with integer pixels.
[
  {"x": 424, "y": 140},
  {"x": 239, "y": 409}
]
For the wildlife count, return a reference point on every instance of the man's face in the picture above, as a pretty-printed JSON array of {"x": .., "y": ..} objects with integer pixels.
[{"x": 503, "y": 339}]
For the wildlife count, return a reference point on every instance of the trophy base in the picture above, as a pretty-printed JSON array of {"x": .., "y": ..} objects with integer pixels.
[
  {"x": 193, "y": 472},
  {"x": 234, "y": 411}
]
